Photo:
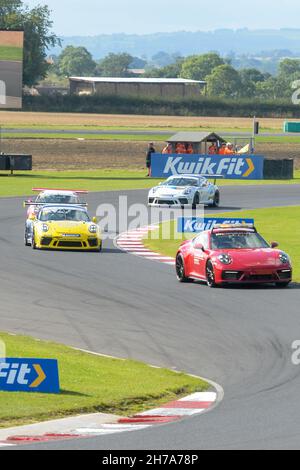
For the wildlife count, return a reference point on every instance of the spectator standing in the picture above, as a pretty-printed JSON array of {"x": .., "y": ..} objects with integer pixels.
[
  {"x": 168, "y": 149},
  {"x": 213, "y": 149},
  {"x": 150, "y": 151},
  {"x": 222, "y": 149},
  {"x": 229, "y": 150}
]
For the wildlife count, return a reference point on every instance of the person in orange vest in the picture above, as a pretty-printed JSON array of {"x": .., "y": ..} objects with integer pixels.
[
  {"x": 229, "y": 150},
  {"x": 213, "y": 149},
  {"x": 222, "y": 149},
  {"x": 168, "y": 149},
  {"x": 180, "y": 148},
  {"x": 190, "y": 149}
]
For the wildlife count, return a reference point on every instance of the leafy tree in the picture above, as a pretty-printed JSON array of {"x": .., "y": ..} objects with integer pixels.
[
  {"x": 76, "y": 61},
  {"x": 288, "y": 67},
  {"x": 138, "y": 63},
  {"x": 163, "y": 59},
  {"x": 198, "y": 67},
  {"x": 253, "y": 75},
  {"x": 36, "y": 23},
  {"x": 224, "y": 82},
  {"x": 115, "y": 65},
  {"x": 170, "y": 71},
  {"x": 249, "y": 78}
]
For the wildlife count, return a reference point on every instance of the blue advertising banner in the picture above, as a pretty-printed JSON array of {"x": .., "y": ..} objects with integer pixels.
[
  {"x": 196, "y": 225},
  {"x": 245, "y": 167},
  {"x": 29, "y": 375}
]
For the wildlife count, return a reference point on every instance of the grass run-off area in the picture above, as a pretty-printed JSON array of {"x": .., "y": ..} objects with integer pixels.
[
  {"x": 132, "y": 136},
  {"x": 90, "y": 383},
  {"x": 11, "y": 53},
  {"x": 280, "y": 224},
  {"x": 21, "y": 184}
]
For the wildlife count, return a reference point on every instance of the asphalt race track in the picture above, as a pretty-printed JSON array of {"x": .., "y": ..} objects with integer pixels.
[{"x": 118, "y": 304}]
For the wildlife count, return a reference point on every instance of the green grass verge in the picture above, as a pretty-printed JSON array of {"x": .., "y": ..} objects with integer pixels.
[
  {"x": 21, "y": 184},
  {"x": 11, "y": 53},
  {"x": 116, "y": 137},
  {"x": 90, "y": 384},
  {"x": 130, "y": 137},
  {"x": 281, "y": 224}
]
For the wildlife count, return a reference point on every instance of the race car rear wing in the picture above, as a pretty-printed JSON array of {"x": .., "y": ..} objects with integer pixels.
[
  {"x": 214, "y": 177},
  {"x": 77, "y": 191},
  {"x": 63, "y": 204}
]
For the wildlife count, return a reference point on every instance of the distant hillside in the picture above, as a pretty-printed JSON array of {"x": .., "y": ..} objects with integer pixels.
[{"x": 223, "y": 41}]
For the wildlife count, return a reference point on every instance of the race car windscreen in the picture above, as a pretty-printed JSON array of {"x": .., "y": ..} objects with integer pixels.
[
  {"x": 237, "y": 240},
  {"x": 182, "y": 182},
  {"x": 57, "y": 199},
  {"x": 74, "y": 215}
]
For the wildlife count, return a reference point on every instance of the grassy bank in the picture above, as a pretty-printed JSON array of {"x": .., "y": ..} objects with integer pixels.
[
  {"x": 11, "y": 53},
  {"x": 281, "y": 224},
  {"x": 21, "y": 184},
  {"x": 132, "y": 136},
  {"x": 89, "y": 384}
]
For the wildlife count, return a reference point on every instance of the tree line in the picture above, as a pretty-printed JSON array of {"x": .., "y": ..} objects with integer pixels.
[{"x": 224, "y": 81}]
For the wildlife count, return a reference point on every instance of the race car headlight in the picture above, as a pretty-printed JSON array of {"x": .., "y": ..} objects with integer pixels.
[
  {"x": 225, "y": 259},
  {"x": 187, "y": 191},
  {"x": 153, "y": 190},
  {"x": 93, "y": 228},
  {"x": 284, "y": 258},
  {"x": 45, "y": 227}
]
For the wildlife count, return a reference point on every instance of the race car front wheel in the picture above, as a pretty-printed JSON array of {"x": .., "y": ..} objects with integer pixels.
[
  {"x": 210, "y": 275},
  {"x": 26, "y": 240},
  {"x": 33, "y": 245},
  {"x": 196, "y": 201},
  {"x": 180, "y": 270},
  {"x": 216, "y": 202}
]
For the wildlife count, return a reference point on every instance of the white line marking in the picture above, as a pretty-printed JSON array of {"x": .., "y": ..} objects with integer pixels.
[
  {"x": 201, "y": 396},
  {"x": 172, "y": 412}
]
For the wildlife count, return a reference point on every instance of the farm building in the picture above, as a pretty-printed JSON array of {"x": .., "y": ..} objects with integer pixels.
[{"x": 151, "y": 87}]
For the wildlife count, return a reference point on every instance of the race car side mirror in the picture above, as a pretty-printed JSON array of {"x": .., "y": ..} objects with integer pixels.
[
  {"x": 199, "y": 246},
  {"x": 32, "y": 217},
  {"x": 94, "y": 219},
  {"x": 274, "y": 244}
]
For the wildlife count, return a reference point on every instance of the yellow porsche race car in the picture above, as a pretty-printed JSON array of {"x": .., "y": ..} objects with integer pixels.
[{"x": 68, "y": 227}]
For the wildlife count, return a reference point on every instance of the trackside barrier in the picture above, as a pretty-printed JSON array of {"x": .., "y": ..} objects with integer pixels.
[
  {"x": 282, "y": 169},
  {"x": 244, "y": 167},
  {"x": 197, "y": 225},
  {"x": 13, "y": 162},
  {"x": 29, "y": 375}
]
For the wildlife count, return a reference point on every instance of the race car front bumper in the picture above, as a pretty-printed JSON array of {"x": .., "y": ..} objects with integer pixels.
[
  {"x": 64, "y": 243},
  {"x": 254, "y": 276},
  {"x": 169, "y": 201}
]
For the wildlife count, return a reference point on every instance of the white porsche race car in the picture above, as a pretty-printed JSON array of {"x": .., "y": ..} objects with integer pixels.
[{"x": 182, "y": 190}]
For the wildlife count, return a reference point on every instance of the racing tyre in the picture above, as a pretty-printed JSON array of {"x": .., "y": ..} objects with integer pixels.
[
  {"x": 26, "y": 239},
  {"x": 196, "y": 201},
  {"x": 216, "y": 202},
  {"x": 210, "y": 275},
  {"x": 180, "y": 269},
  {"x": 33, "y": 245}
]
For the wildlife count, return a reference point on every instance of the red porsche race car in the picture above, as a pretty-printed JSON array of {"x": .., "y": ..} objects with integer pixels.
[{"x": 232, "y": 254}]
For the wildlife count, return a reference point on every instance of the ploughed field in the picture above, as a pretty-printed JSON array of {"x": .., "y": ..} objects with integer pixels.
[{"x": 90, "y": 154}]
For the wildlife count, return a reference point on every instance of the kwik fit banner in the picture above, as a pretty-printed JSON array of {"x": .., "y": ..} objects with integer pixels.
[
  {"x": 195, "y": 225},
  {"x": 246, "y": 167}
]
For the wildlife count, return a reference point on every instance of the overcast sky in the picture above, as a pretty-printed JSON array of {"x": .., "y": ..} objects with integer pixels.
[{"x": 92, "y": 17}]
